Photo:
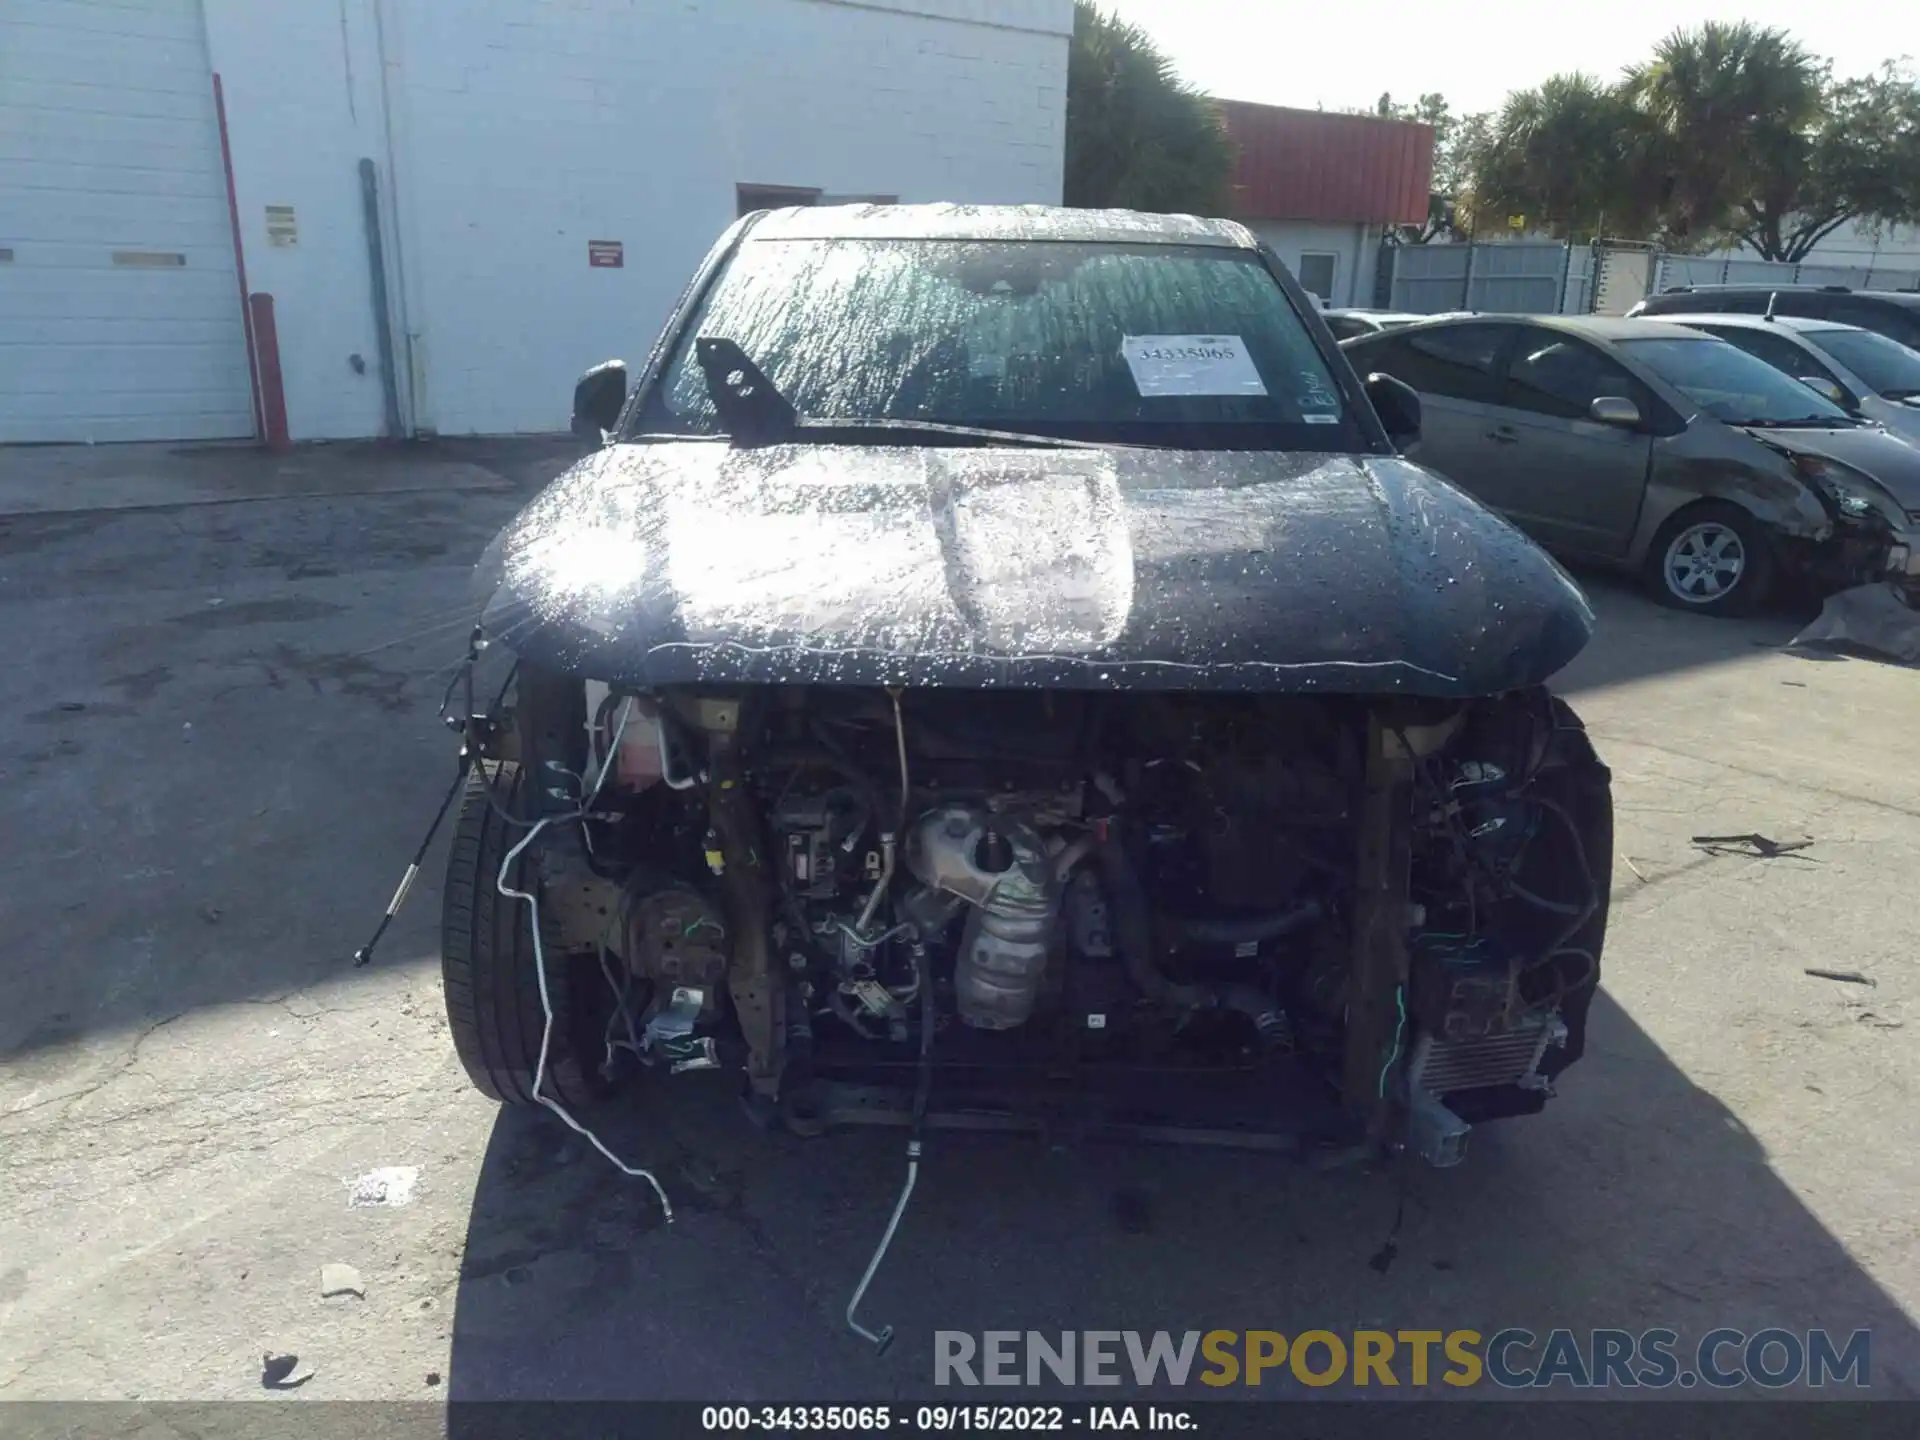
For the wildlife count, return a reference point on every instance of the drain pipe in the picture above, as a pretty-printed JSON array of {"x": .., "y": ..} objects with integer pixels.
[{"x": 382, "y": 311}]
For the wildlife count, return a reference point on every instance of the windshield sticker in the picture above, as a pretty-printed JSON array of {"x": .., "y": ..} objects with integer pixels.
[
  {"x": 1191, "y": 365},
  {"x": 1316, "y": 396},
  {"x": 1319, "y": 417}
]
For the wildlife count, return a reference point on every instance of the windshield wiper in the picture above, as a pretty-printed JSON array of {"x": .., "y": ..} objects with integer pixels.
[
  {"x": 964, "y": 432},
  {"x": 1803, "y": 422},
  {"x": 756, "y": 413}
]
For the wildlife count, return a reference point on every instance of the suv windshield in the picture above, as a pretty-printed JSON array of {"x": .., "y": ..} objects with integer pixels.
[
  {"x": 1194, "y": 346},
  {"x": 1888, "y": 367},
  {"x": 1731, "y": 385}
]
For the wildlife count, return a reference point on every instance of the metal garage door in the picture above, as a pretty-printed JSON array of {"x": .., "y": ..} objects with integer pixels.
[{"x": 120, "y": 315}]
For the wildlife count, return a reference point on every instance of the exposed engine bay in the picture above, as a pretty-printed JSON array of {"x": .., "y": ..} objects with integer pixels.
[{"x": 1393, "y": 909}]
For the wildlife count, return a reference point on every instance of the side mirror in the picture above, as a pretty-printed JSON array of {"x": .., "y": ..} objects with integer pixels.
[
  {"x": 598, "y": 399},
  {"x": 1615, "y": 410},
  {"x": 1829, "y": 389},
  {"x": 1398, "y": 406}
]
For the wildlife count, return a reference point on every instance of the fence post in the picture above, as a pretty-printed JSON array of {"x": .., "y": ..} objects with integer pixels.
[{"x": 1466, "y": 281}]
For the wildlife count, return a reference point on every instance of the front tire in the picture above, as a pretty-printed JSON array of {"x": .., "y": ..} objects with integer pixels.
[
  {"x": 1712, "y": 559},
  {"x": 488, "y": 970}
]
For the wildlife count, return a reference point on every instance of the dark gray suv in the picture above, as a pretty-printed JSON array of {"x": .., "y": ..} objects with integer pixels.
[{"x": 1893, "y": 313}]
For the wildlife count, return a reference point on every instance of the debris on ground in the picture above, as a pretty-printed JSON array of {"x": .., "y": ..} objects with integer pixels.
[
  {"x": 338, "y": 1279},
  {"x": 390, "y": 1186},
  {"x": 1874, "y": 619},
  {"x": 1873, "y": 1019},
  {"x": 1851, "y": 977},
  {"x": 1757, "y": 846},
  {"x": 283, "y": 1372},
  {"x": 72, "y": 707},
  {"x": 433, "y": 1378},
  {"x": 1634, "y": 868}
]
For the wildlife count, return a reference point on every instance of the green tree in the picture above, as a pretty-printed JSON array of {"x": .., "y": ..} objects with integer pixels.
[
  {"x": 1457, "y": 139},
  {"x": 1859, "y": 160},
  {"x": 1566, "y": 156},
  {"x": 1137, "y": 136},
  {"x": 1729, "y": 111}
]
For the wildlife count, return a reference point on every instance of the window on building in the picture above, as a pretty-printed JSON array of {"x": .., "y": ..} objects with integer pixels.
[
  {"x": 1316, "y": 272},
  {"x": 773, "y": 197}
]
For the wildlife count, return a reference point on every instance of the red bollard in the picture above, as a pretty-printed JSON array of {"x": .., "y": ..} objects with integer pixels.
[{"x": 273, "y": 394}]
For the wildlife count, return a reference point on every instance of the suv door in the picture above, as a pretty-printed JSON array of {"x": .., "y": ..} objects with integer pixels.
[
  {"x": 1564, "y": 477},
  {"x": 1456, "y": 369}
]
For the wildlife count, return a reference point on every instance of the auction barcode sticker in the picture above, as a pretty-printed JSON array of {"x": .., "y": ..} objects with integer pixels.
[{"x": 1191, "y": 365}]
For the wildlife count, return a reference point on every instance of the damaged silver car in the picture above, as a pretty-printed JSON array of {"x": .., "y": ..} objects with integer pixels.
[{"x": 997, "y": 672}]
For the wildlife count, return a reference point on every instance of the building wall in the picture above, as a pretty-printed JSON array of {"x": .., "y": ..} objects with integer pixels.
[
  {"x": 303, "y": 96},
  {"x": 1356, "y": 248},
  {"x": 1854, "y": 244},
  {"x": 508, "y": 134}
]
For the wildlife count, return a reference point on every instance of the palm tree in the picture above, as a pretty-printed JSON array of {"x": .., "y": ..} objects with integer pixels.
[
  {"x": 1722, "y": 103},
  {"x": 1564, "y": 156},
  {"x": 1137, "y": 136}
]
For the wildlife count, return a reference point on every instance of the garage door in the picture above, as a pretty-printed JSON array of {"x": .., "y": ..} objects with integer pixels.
[{"x": 120, "y": 316}]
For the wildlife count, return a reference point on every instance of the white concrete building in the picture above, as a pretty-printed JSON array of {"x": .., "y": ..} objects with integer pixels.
[{"x": 545, "y": 175}]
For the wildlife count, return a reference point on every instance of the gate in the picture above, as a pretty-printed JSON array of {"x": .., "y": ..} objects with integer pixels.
[{"x": 1510, "y": 277}]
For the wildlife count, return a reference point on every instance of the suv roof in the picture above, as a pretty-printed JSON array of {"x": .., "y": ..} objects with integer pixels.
[
  {"x": 1675, "y": 297},
  {"x": 994, "y": 222},
  {"x": 1742, "y": 321}
]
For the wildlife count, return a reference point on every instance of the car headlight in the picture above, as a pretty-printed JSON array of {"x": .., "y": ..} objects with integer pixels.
[{"x": 1854, "y": 495}]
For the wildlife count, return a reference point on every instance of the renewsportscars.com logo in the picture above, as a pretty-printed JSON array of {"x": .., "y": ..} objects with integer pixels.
[{"x": 1511, "y": 1359}]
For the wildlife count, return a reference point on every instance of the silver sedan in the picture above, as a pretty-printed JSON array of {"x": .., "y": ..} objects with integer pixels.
[{"x": 1660, "y": 450}]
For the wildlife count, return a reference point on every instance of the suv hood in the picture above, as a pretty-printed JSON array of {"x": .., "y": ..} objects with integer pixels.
[
  {"x": 682, "y": 562},
  {"x": 1875, "y": 453}
]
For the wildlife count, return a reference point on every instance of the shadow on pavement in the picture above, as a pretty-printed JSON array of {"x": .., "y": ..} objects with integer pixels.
[
  {"x": 573, "y": 1287},
  {"x": 1638, "y": 639}
]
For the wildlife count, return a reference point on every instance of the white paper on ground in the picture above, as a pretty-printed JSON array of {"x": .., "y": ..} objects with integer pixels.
[{"x": 1191, "y": 365}]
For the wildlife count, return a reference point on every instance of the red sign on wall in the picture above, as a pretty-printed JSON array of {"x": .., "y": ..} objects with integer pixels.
[{"x": 606, "y": 254}]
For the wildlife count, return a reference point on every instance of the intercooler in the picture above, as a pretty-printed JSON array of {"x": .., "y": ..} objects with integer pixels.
[{"x": 1509, "y": 1057}]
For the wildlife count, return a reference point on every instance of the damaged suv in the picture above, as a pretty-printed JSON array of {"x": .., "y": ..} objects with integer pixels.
[{"x": 997, "y": 671}]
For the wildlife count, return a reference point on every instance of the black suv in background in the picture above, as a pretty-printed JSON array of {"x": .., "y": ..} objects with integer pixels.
[{"x": 1893, "y": 313}]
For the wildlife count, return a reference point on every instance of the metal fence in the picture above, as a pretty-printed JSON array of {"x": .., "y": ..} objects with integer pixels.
[
  {"x": 1535, "y": 277},
  {"x": 1513, "y": 276},
  {"x": 1676, "y": 270}
]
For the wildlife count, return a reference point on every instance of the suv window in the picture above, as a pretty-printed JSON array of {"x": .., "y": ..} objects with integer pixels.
[
  {"x": 1556, "y": 375},
  {"x": 1888, "y": 318},
  {"x": 1457, "y": 362}
]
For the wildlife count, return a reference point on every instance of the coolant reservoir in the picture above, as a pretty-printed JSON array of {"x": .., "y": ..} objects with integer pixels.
[{"x": 638, "y": 764}]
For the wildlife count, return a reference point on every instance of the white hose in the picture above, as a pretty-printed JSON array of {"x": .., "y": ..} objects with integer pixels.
[{"x": 540, "y": 972}]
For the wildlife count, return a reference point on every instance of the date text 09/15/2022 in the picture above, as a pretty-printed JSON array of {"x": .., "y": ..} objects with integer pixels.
[{"x": 942, "y": 1419}]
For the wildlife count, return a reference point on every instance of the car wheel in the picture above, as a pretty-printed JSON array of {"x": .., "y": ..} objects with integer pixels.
[
  {"x": 1713, "y": 559},
  {"x": 488, "y": 969}
]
